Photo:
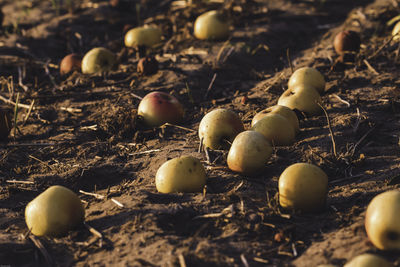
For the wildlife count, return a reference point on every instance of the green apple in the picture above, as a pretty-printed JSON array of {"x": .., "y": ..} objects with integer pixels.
[
  {"x": 368, "y": 260},
  {"x": 219, "y": 126},
  {"x": 308, "y": 77},
  {"x": 98, "y": 59},
  {"x": 211, "y": 25},
  {"x": 54, "y": 212},
  {"x": 303, "y": 187},
  {"x": 183, "y": 174},
  {"x": 382, "y": 220},
  {"x": 143, "y": 36},
  {"x": 249, "y": 153},
  {"x": 303, "y": 98},
  {"x": 276, "y": 129},
  {"x": 281, "y": 110}
]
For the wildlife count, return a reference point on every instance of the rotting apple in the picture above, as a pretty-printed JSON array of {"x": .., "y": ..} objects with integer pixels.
[
  {"x": 303, "y": 187},
  {"x": 146, "y": 35},
  {"x": 368, "y": 260},
  {"x": 281, "y": 110},
  {"x": 347, "y": 41},
  {"x": 219, "y": 127},
  {"x": 157, "y": 108},
  {"x": 302, "y": 98},
  {"x": 185, "y": 174},
  {"x": 70, "y": 63},
  {"x": 276, "y": 129},
  {"x": 249, "y": 153},
  {"x": 309, "y": 77},
  {"x": 211, "y": 25},
  {"x": 54, "y": 212},
  {"x": 5, "y": 123},
  {"x": 98, "y": 59},
  {"x": 147, "y": 65},
  {"x": 382, "y": 220}
]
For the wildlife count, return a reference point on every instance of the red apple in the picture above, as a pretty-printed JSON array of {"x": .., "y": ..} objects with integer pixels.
[
  {"x": 157, "y": 108},
  {"x": 70, "y": 63},
  {"x": 346, "y": 41}
]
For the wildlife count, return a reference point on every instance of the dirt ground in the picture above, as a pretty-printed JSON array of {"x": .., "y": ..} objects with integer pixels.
[{"x": 83, "y": 132}]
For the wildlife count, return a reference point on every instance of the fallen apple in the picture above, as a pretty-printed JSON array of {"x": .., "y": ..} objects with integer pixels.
[
  {"x": 382, "y": 220},
  {"x": 249, "y": 153},
  {"x": 157, "y": 108},
  {"x": 281, "y": 110},
  {"x": 5, "y": 123},
  {"x": 143, "y": 36},
  {"x": 347, "y": 41},
  {"x": 302, "y": 98},
  {"x": 98, "y": 59},
  {"x": 396, "y": 32},
  {"x": 303, "y": 187},
  {"x": 185, "y": 174},
  {"x": 219, "y": 127},
  {"x": 211, "y": 25},
  {"x": 54, "y": 212},
  {"x": 276, "y": 129},
  {"x": 368, "y": 260},
  {"x": 309, "y": 77},
  {"x": 70, "y": 63}
]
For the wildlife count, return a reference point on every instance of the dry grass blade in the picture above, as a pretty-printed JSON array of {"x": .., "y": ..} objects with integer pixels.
[
  {"x": 244, "y": 260},
  {"x": 210, "y": 85},
  {"x": 29, "y": 112},
  {"x": 330, "y": 130},
  {"x": 98, "y": 196},
  {"x": 176, "y": 126},
  {"x": 93, "y": 231},
  {"x": 182, "y": 261},
  {"x": 370, "y": 67}
]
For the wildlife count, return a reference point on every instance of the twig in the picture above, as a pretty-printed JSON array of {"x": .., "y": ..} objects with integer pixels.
[
  {"x": 370, "y": 67},
  {"x": 16, "y": 115},
  {"x": 98, "y": 196},
  {"x": 330, "y": 130},
  {"x": 210, "y": 85},
  {"x": 136, "y": 96},
  {"x": 41, "y": 161},
  {"x": 42, "y": 249},
  {"x": 289, "y": 60},
  {"x": 71, "y": 110},
  {"x": 119, "y": 204},
  {"x": 200, "y": 145},
  {"x": 181, "y": 258},
  {"x": 2, "y": 98},
  {"x": 362, "y": 139},
  {"x": 244, "y": 260},
  {"x": 52, "y": 80},
  {"x": 145, "y": 152},
  {"x": 93, "y": 231},
  {"x": 341, "y": 100},
  {"x": 355, "y": 128},
  {"x": 177, "y": 126},
  {"x": 29, "y": 144},
  {"x": 380, "y": 48},
  {"x": 29, "y": 112},
  {"x": 19, "y": 182},
  {"x": 207, "y": 155},
  {"x": 210, "y": 215},
  {"x": 20, "y": 83}
]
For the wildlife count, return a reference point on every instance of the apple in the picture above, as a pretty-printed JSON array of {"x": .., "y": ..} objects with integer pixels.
[
  {"x": 286, "y": 112},
  {"x": 382, "y": 220},
  {"x": 157, "y": 108},
  {"x": 368, "y": 260},
  {"x": 219, "y": 126},
  {"x": 70, "y": 63},
  {"x": 303, "y": 98},
  {"x": 347, "y": 41},
  {"x": 54, "y": 212},
  {"x": 276, "y": 129},
  {"x": 5, "y": 123},
  {"x": 303, "y": 187},
  {"x": 143, "y": 36},
  {"x": 211, "y": 25},
  {"x": 98, "y": 59},
  {"x": 309, "y": 77},
  {"x": 249, "y": 153},
  {"x": 147, "y": 65},
  {"x": 396, "y": 32},
  {"x": 185, "y": 174}
]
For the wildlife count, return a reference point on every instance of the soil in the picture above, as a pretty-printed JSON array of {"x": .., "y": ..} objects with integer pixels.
[{"x": 83, "y": 132}]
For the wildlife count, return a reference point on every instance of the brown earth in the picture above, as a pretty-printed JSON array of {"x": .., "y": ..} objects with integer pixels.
[{"x": 83, "y": 132}]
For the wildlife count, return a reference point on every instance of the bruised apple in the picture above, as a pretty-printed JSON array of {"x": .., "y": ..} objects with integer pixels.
[
  {"x": 286, "y": 112},
  {"x": 347, "y": 41},
  {"x": 382, "y": 220},
  {"x": 54, "y": 212},
  {"x": 219, "y": 127},
  {"x": 70, "y": 63},
  {"x": 211, "y": 25},
  {"x": 98, "y": 59},
  {"x": 303, "y": 98},
  {"x": 276, "y": 129},
  {"x": 249, "y": 153},
  {"x": 143, "y": 36},
  {"x": 185, "y": 174},
  {"x": 368, "y": 260},
  {"x": 5, "y": 123},
  {"x": 303, "y": 187},
  {"x": 157, "y": 108},
  {"x": 308, "y": 77}
]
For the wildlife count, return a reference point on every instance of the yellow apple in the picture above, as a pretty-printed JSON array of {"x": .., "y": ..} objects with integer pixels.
[
  {"x": 368, "y": 260},
  {"x": 308, "y": 77},
  {"x": 303, "y": 98},
  {"x": 219, "y": 126},
  {"x": 303, "y": 187},
  {"x": 211, "y": 25},
  {"x": 249, "y": 153},
  {"x": 98, "y": 59},
  {"x": 396, "y": 32},
  {"x": 143, "y": 36},
  {"x": 157, "y": 108},
  {"x": 54, "y": 212},
  {"x": 5, "y": 123},
  {"x": 382, "y": 220},
  {"x": 281, "y": 110},
  {"x": 276, "y": 129},
  {"x": 183, "y": 174}
]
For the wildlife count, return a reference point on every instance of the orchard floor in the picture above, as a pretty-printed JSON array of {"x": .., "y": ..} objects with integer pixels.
[{"x": 83, "y": 132}]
